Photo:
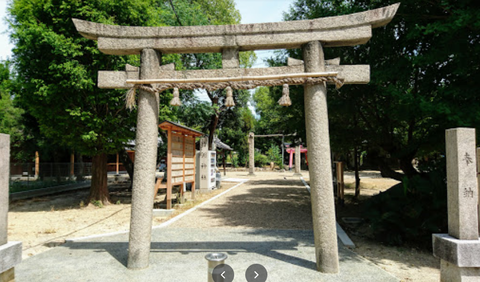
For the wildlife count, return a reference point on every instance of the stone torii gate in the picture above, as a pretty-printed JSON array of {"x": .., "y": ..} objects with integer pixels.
[{"x": 314, "y": 72}]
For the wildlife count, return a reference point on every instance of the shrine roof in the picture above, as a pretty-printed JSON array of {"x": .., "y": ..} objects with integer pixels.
[
  {"x": 220, "y": 145},
  {"x": 166, "y": 125}
]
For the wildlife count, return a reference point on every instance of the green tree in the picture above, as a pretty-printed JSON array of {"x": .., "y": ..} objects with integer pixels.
[
  {"x": 274, "y": 155},
  {"x": 275, "y": 119},
  {"x": 234, "y": 130},
  {"x": 57, "y": 74},
  {"x": 220, "y": 12},
  {"x": 209, "y": 12},
  {"x": 195, "y": 114},
  {"x": 10, "y": 114},
  {"x": 424, "y": 76}
]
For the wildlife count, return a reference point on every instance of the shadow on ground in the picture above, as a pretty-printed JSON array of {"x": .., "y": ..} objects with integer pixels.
[
  {"x": 281, "y": 245},
  {"x": 178, "y": 255},
  {"x": 273, "y": 204},
  {"x": 69, "y": 200},
  {"x": 271, "y": 249}
]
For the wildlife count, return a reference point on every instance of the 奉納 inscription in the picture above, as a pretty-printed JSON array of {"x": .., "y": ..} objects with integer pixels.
[
  {"x": 468, "y": 192},
  {"x": 467, "y": 159}
]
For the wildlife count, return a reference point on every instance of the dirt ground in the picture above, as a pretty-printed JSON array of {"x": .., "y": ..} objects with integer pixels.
[
  {"x": 270, "y": 201},
  {"x": 45, "y": 222}
]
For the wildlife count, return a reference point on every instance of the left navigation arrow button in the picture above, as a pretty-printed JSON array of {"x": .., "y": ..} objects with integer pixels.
[{"x": 223, "y": 273}]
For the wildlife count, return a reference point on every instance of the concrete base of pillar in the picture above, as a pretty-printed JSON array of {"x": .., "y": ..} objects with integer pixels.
[
  {"x": 203, "y": 191},
  {"x": 10, "y": 255},
  {"x": 452, "y": 273},
  {"x": 297, "y": 174},
  {"x": 251, "y": 174},
  {"x": 462, "y": 253},
  {"x": 8, "y": 276},
  {"x": 162, "y": 212},
  {"x": 460, "y": 259}
]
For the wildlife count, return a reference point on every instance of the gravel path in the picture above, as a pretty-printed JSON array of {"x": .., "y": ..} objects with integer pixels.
[{"x": 266, "y": 201}]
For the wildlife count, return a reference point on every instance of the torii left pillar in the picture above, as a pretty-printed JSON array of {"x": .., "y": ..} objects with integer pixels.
[{"x": 146, "y": 143}]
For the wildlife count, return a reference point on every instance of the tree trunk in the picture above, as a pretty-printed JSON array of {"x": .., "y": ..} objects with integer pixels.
[
  {"x": 128, "y": 164},
  {"x": 385, "y": 169},
  {"x": 99, "y": 188},
  {"x": 357, "y": 175},
  {"x": 407, "y": 167},
  {"x": 224, "y": 163}
]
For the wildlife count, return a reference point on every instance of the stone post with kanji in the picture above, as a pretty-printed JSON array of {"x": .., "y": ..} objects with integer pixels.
[
  {"x": 459, "y": 250},
  {"x": 204, "y": 171}
]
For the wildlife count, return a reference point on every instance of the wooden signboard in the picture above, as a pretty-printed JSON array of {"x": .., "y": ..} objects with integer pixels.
[{"x": 180, "y": 159}]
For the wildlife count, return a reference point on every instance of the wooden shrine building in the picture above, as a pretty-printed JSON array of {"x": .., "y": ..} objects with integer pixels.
[{"x": 180, "y": 159}]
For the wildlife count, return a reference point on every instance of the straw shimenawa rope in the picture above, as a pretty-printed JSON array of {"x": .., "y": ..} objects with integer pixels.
[
  {"x": 229, "y": 102},
  {"x": 176, "y": 98},
  {"x": 285, "y": 100},
  {"x": 250, "y": 84},
  {"x": 130, "y": 96}
]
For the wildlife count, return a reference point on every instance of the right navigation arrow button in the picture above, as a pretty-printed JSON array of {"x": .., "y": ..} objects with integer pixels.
[{"x": 256, "y": 273}]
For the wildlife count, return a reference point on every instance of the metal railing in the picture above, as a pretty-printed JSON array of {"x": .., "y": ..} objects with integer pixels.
[{"x": 27, "y": 176}]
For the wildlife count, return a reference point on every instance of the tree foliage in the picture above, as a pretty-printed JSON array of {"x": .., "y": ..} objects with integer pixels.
[
  {"x": 210, "y": 12},
  {"x": 424, "y": 72},
  {"x": 57, "y": 74},
  {"x": 10, "y": 114},
  {"x": 234, "y": 130},
  {"x": 424, "y": 75},
  {"x": 276, "y": 119},
  {"x": 57, "y": 71}
]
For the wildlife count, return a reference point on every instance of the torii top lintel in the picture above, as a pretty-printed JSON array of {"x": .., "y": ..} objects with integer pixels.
[{"x": 347, "y": 30}]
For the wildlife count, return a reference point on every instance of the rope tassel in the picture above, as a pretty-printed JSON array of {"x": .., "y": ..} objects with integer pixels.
[
  {"x": 285, "y": 100},
  {"x": 229, "y": 101},
  {"x": 176, "y": 98},
  {"x": 130, "y": 98}
]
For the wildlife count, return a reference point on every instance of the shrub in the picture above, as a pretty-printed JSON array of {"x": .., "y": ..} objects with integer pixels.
[
  {"x": 96, "y": 203},
  {"x": 235, "y": 161},
  {"x": 242, "y": 158},
  {"x": 410, "y": 211},
  {"x": 261, "y": 160},
  {"x": 275, "y": 156}
]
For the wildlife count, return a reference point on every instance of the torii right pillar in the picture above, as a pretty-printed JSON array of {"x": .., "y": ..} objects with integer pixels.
[{"x": 318, "y": 143}]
